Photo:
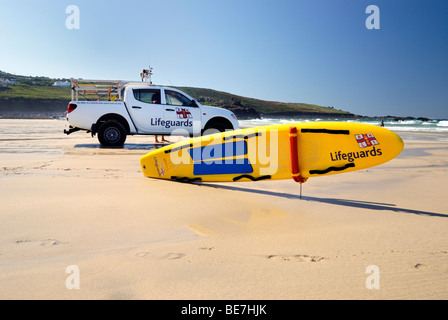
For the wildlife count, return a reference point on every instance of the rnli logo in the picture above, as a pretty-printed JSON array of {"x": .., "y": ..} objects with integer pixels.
[
  {"x": 183, "y": 113},
  {"x": 366, "y": 140}
]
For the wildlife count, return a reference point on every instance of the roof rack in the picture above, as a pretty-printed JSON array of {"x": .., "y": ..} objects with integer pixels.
[{"x": 100, "y": 89}]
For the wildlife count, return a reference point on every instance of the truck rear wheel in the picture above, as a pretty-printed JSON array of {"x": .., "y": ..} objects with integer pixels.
[{"x": 112, "y": 134}]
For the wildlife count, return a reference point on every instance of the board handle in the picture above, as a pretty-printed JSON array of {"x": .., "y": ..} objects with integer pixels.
[{"x": 293, "y": 145}]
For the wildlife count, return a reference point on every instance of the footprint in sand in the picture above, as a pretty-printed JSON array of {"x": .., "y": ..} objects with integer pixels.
[
  {"x": 42, "y": 243},
  {"x": 142, "y": 254},
  {"x": 22, "y": 241},
  {"x": 51, "y": 242},
  {"x": 420, "y": 266},
  {"x": 174, "y": 256},
  {"x": 167, "y": 256},
  {"x": 206, "y": 248},
  {"x": 297, "y": 258}
]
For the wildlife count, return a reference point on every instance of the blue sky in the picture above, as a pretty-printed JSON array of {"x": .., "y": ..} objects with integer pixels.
[{"x": 312, "y": 51}]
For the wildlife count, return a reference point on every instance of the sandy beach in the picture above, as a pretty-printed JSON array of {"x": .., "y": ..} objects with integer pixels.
[{"x": 67, "y": 204}]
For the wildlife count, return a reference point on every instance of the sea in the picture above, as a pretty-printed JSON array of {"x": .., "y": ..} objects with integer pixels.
[{"x": 437, "y": 128}]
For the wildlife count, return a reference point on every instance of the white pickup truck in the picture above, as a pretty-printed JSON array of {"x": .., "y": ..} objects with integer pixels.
[{"x": 141, "y": 109}]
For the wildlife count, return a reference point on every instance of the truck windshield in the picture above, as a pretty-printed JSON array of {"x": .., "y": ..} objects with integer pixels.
[
  {"x": 147, "y": 95},
  {"x": 176, "y": 99}
]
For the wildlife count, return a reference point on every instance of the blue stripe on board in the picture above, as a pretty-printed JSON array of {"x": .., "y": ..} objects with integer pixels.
[
  {"x": 219, "y": 151},
  {"x": 236, "y": 166}
]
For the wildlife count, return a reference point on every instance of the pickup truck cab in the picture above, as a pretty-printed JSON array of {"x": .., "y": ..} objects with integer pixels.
[{"x": 141, "y": 109}]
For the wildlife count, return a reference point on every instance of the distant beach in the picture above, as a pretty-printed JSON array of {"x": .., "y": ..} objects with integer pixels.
[
  {"x": 69, "y": 205},
  {"x": 429, "y": 126}
]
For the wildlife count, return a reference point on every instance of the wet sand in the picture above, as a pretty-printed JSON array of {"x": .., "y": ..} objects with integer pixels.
[{"x": 67, "y": 202}]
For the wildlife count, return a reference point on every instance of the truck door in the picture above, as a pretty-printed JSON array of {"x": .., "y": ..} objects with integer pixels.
[
  {"x": 181, "y": 113},
  {"x": 147, "y": 111}
]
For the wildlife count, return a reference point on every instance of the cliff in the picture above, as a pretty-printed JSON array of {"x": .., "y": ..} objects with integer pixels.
[{"x": 22, "y": 96}]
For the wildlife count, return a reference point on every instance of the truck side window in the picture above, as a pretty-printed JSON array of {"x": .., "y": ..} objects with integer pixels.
[
  {"x": 147, "y": 95},
  {"x": 176, "y": 99}
]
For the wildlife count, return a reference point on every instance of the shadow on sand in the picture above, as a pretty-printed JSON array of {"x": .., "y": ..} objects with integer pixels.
[
  {"x": 334, "y": 201},
  {"x": 126, "y": 146}
]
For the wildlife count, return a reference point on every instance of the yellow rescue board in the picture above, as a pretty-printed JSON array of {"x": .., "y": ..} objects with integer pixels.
[{"x": 297, "y": 150}]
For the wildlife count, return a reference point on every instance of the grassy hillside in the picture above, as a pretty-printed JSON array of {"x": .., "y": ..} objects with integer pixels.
[
  {"x": 22, "y": 93},
  {"x": 223, "y": 99},
  {"x": 26, "y": 91}
]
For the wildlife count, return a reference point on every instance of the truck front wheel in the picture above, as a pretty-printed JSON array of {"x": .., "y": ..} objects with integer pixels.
[
  {"x": 112, "y": 134},
  {"x": 216, "y": 126}
]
